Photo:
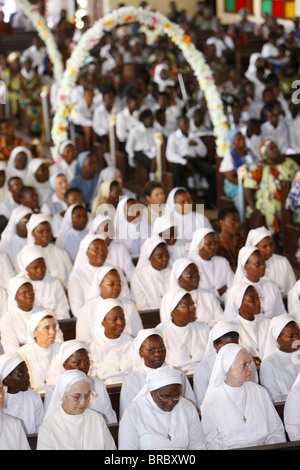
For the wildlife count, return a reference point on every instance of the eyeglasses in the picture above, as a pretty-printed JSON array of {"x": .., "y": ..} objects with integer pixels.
[
  {"x": 79, "y": 363},
  {"x": 166, "y": 399},
  {"x": 186, "y": 307},
  {"x": 245, "y": 365},
  {"x": 78, "y": 396},
  {"x": 154, "y": 350}
]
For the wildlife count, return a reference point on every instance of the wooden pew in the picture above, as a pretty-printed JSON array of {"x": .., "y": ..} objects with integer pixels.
[
  {"x": 291, "y": 445},
  {"x": 68, "y": 328},
  {"x": 150, "y": 318},
  {"x": 114, "y": 391},
  {"x": 290, "y": 231}
]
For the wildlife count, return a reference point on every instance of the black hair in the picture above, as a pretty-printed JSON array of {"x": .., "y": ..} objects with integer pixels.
[
  {"x": 72, "y": 190},
  {"x": 226, "y": 210},
  {"x": 230, "y": 334},
  {"x": 146, "y": 113},
  {"x": 150, "y": 185},
  {"x": 24, "y": 189}
]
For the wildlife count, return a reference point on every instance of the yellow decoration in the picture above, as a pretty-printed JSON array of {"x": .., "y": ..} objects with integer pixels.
[{"x": 289, "y": 9}]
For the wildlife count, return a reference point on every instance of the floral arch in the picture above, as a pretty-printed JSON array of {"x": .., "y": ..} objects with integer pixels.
[
  {"x": 31, "y": 11},
  {"x": 91, "y": 37}
]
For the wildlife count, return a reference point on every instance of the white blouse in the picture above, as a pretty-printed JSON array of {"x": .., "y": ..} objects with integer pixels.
[
  {"x": 144, "y": 426},
  {"x": 185, "y": 345}
]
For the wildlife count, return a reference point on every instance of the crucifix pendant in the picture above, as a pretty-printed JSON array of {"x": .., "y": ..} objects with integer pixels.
[
  {"x": 244, "y": 419},
  {"x": 169, "y": 437}
]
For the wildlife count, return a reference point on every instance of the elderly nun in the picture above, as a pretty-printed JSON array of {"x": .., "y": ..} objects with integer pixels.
[
  {"x": 237, "y": 412},
  {"x": 112, "y": 349},
  {"x": 160, "y": 417},
  {"x": 222, "y": 333},
  {"x": 281, "y": 364},
  {"x": 69, "y": 424}
]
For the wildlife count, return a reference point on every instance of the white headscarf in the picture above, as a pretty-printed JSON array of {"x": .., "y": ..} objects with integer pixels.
[
  {"x": 33, "y": 166},
  {"x": 97, "y": 221},
  {"x": 33, "y": 222},
  {"x": 235, "y": 299},
  {"x": 162, "y": 83},
  {"x": 174, "y": 297},
  {"x": 178, "y": 267},
  {"x": 198, "y": 236},
  {"x": 219, "y": 329},
  {"x": 277, "y": 324},
  {"x": 29, "y": 254},
  {"x": 244, "y": 254},
  {"x": 66, "y": 350},
  {"x": 137, "y": 343},
  {"x": 17, "y": 214},
  {"x": 293, "y": 299},
  {"x": 163, "y": 223},
  {"x": 170, "y": 202},
  {"x": 63, "y": 145},
  {"x": 95, "y": 289},
  {"x": 13, "y": 286},
  {"x": 67, "y": 226},
  {"x": 11, "y": 170},
  {"x": 256, "y": 235},
  {"x": 64, "y": 383},
  {"x": 147, "y": 249},
  {"x": 33, "y": 322},
  {"x": 224, "y": 360},
  {"x": 160, "y": 377},
  {"x": 125, "y": 230},
  {"x": 82, "y": 259},
  {"x": 106, "y": 306},
  {"x": 8, "y": 362}
]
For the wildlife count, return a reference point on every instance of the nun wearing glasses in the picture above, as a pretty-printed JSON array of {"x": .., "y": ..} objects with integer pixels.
[
  {"x": 69, "y": 424},
  {"x": 160, "y": 417}
]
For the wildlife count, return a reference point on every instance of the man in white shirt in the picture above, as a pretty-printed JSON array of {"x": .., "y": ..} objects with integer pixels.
[
  {"x": 109, "y": 107},
  {"x": 127, "y": 119},
  {"x": 185, "y": 151},
  {"x": 141, "y": 145}
]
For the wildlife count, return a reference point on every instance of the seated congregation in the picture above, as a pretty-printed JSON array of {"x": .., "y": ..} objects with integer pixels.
[{"x": 146, "y": 314}]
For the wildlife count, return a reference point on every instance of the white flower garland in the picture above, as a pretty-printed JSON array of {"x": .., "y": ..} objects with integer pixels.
[
  {"x": 193, "y": 56},
  {"x": 46, "y": 35}
]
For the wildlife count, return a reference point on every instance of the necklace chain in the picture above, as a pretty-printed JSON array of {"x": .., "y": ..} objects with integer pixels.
[{"x": 234, "y": 404}]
